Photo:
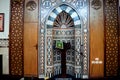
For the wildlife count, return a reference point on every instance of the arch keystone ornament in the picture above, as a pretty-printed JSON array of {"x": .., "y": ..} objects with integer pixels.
[{"x": 62, "y": 23}]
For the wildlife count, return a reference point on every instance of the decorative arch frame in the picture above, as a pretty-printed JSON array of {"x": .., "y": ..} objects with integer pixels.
[
  {"x": 63, "y": 7},
  {"x": 46, "y": 23}
]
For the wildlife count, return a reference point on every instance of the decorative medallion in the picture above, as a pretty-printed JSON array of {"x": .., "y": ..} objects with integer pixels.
[
  {"x": 31, "y": 5},
  {"x": 46, "y": 3},
  {"x": 96, "y": 4},
  {"x": 80, "y": 3}
]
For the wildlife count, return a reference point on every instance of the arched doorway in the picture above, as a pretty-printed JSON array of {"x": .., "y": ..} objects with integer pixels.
[
  {"x": 62, "y": 24},
  {"x": 63, "y": 31}
]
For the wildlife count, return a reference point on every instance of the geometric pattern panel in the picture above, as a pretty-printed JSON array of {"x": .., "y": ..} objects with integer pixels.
[
  {"x": 64, "y": 35},
  {"x": 58, "y": 10},
  {"x": 16, "y": 37},
  {"x": 111, "y": 37},
  {"x": 49, "y": 51},
  {"x": 119, "y": 43},
  {"x": 85, "y": 49},
  {"x": 57, "y": 62},
  {"x": 70, "y": 62},
  {"x": 4, "y": 43}
]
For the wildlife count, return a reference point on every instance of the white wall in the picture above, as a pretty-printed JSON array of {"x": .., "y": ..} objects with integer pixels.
[
  {"x": 119, "y": 2},
  {"x": 4, "y": 50},
  {"x": 5, "y": 57},
  {"x": 5, "y": 8}
]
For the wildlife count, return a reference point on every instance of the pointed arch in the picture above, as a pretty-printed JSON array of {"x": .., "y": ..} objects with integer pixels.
[
  {"x": 67, "y": 9},
  {"x": 63, "y": 20}
]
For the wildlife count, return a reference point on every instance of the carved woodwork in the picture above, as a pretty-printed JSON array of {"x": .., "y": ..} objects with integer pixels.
[
  {"x": 31, "y": 5},
  {"x": 111, "y": 37},
  {"x": 96, "y": 4},
  {"x": 16, "y": 38},
  {"x": 119, "y": 40}
]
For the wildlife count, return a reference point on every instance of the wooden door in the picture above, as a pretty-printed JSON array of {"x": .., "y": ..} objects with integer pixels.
[
  {"x": 30, "y": 51},
  {"x": 30, "y": 39}
]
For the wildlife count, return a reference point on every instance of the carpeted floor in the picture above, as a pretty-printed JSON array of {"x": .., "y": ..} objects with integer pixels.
[{"x": 8, "y": 77}]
